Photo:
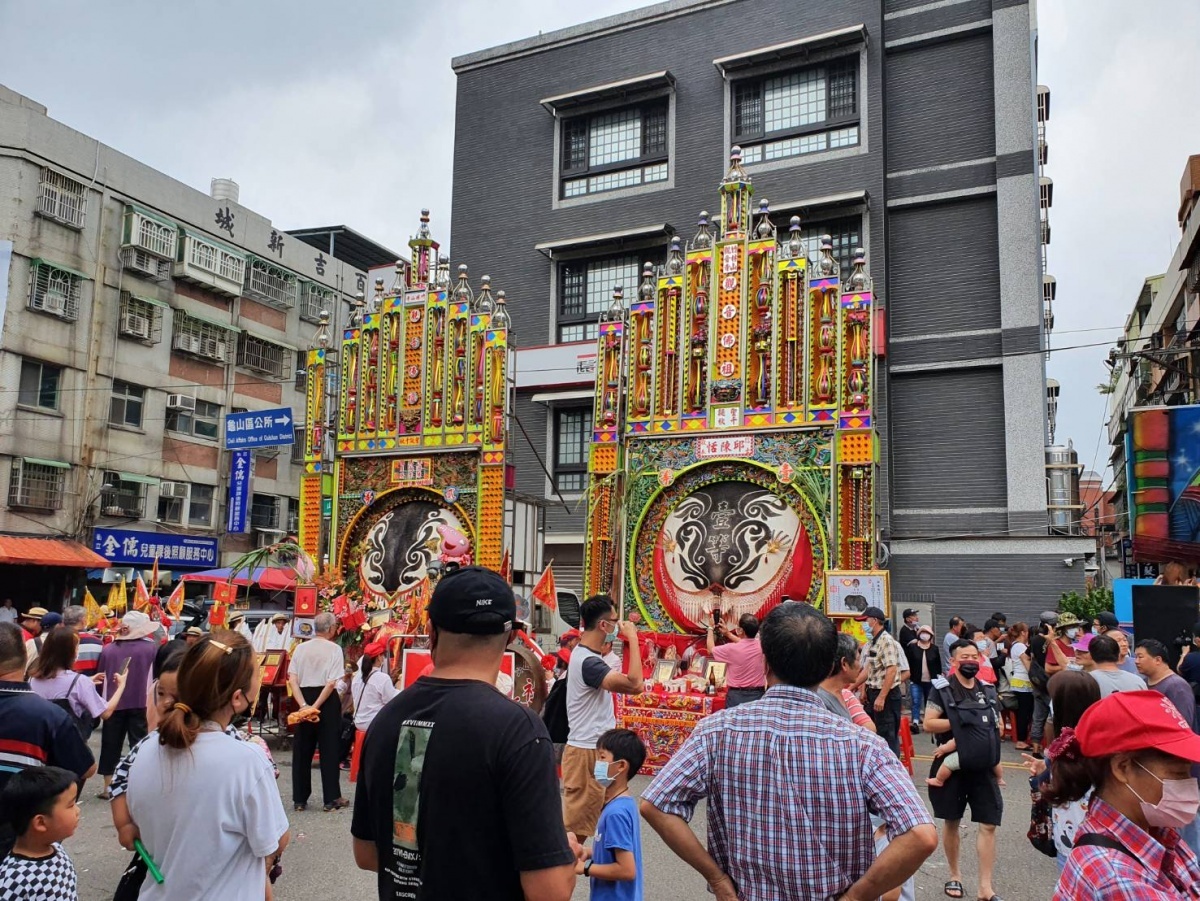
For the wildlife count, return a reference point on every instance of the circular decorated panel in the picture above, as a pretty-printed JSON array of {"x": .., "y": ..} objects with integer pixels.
[
  {"x": 726, "y": 536},
  {"x": 395, "y": 540}
]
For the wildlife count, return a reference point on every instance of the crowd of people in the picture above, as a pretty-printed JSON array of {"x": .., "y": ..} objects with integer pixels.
[{"x": 806, "y": 792}]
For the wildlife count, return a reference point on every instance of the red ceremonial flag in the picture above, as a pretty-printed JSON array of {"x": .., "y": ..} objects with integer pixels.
[
  {"x": 544, "y": 590},
  {"x": 506, "y": 566},
  {"x": 175, "y": 602},
  {"x": 141, "y": 597},
  {"x": 154, "y": 576}
]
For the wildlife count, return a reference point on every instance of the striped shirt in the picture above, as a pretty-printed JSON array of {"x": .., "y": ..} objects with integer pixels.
[
  {"x": 87, "y": 657},
  {"x": 790, "y": 789}
]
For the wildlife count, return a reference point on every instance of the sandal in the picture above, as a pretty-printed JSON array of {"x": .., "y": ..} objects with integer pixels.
[
  {"x": 105, "y": 795},
  {"x": 339, "y": 804},
  {"x": 993, "y": 898},
  {"x": 953, "y": 889}
]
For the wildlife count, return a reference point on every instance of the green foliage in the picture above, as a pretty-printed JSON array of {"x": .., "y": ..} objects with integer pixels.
[{"x": 1088, "y": 604}]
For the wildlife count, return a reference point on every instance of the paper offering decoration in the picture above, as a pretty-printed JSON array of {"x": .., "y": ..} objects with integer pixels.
[{"x": 850, "y": 592}]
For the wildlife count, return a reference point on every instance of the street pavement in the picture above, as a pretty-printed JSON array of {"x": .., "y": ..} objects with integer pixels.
[{"x": 318, "y": 865}]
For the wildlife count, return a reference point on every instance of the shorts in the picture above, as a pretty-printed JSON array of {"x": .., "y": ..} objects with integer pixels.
[
  {"x": 583, "y": 796},
  {"x": 950, "y": 761},
  {"x": 974, "y": 788}
]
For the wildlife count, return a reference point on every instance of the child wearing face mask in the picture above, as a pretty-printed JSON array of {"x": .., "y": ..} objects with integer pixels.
[{"x": 614, "y": 862}]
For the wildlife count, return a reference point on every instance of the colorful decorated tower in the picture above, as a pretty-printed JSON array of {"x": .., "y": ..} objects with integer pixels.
[
  {"x": 733, "y": 461},
  {"x": 418, "y": 469}
]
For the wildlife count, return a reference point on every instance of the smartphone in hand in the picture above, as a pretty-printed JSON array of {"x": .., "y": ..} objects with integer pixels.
[{"x": 125, "y": 666}]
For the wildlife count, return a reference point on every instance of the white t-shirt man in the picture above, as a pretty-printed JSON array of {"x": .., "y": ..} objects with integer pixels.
[
  {"x": 590, "y": 710},
  {"x": 8, "y": 614},
  {"x": 208, "y": 816},
  {"x": 317, "y": 662}
]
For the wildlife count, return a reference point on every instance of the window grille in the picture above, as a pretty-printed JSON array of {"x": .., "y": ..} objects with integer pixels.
[
  {"x": 794, "y": 113},
  {"x": 261, "y": 355},
  {"x": 199, "y": 338},
  {"x": 62, "y": 199},
  {"x": 36, "y": 486},
  {"x": 314, "y": 300},
  {"x": 264, "y": 511},
  {"x": 572, "y": 437},
  {"x": 614, "y": 149},
  {"x": 54, "y": 291},
  {"x": 140, "y": 319},
  {"x": 586, "y": 288},
  {"x": 125, "y": 499},
  {"x": 271, "y": 284}
]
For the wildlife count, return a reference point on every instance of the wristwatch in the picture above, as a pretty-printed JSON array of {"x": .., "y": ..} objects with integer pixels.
[{"x": 587, "y": 868}]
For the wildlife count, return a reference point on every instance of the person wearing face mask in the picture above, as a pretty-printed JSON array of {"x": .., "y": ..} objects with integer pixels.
[
  {"x": 1135, "y": 751},
  {"x": 614, "y": 861},
  {"x": 882, "y": 677},
  {"x": 964, "y": 710},
  {"x": 205, "y": 806},
  {"x": 1059, "y": 653}
]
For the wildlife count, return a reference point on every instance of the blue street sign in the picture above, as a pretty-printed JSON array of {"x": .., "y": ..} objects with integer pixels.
[
  {"x": 239, "y": 491},
  {"x": 128, "y": 548},
  {"x": 259, "y": 428}
]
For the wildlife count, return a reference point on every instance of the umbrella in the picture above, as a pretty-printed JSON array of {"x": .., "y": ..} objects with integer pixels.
[{"x": 270, "y": 578}]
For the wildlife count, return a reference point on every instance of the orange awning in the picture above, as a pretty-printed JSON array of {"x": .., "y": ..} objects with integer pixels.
[{"x": 48, "y": 552}]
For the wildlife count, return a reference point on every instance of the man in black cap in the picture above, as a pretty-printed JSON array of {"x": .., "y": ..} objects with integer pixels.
[
  {"x": 882, "y": 677},
  {"x": 908, "y": 631},
  {"x": 457, "y": 793}
]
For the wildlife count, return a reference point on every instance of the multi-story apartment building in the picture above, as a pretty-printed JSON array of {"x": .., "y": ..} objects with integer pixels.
[
  {"x": 138, "y": 312},
  {"x": 915, "y": 130},
  {"x": 1157, "y": 360}
]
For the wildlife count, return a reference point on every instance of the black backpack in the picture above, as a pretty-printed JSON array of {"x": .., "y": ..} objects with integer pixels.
[
  {"x": 84, "y": 723},
  {"x": 554, "y": 712}
]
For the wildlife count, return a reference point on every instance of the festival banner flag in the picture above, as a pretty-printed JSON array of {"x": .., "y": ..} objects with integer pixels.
[
  {"x": 544, "y": 590},
  {"x": 92, "y": 609},
  {"x": 122, "y": 603},
  {"x": 154, "y": 576},
  {"x": 506, "y": 566},
  {"x": 175, "y": 602},
  {"x": 141, "y": 597}
]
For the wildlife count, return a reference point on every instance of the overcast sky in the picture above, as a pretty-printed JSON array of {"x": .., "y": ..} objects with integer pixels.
[{"x": 325, "y": 113}]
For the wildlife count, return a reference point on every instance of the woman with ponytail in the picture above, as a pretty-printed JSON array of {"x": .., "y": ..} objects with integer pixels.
[
  {"x": 205, "y": 805},
  {"x": 370, "y": 689},
  {"x": 1133, "y": 751}
]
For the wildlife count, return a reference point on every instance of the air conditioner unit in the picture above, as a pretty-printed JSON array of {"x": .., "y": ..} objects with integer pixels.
[
  {"x": 181, "y": 402},
  {"x": 173, "y": 489},
  {"x": 212, "y": 348},
  {"x": 140, "y": 262},
  {"x": 136, "y": 324},
  {"x": 187, "y": 342},
  {"x": 54, "y": 302},
  {"x": 114, "y": 510}
]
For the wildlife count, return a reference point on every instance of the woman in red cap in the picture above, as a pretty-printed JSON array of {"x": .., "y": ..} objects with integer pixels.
[
  {"x": 1135, "y": 750},
  {"x": 370, "y": 689}
]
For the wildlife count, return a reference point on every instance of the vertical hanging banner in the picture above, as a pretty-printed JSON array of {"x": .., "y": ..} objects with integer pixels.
[{"x": 239, "y": 491}]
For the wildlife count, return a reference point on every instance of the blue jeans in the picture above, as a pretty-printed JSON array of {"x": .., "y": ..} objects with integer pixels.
[{"x": 917, "y": 693}]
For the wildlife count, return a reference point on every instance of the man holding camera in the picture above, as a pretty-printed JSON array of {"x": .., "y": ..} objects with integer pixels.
[{"x": 1038, "y": 678}]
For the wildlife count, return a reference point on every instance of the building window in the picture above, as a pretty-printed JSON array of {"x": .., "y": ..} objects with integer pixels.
[
  {"x": 293, "y": 515},
  {"x": 614, "y": 149},
  {"x": 262, "y": 356},
  {"x": 585, "y": 289},
  {"x": 793, "y": 113},
  {"x": 62, "y": 199},
  {"x": 182, "y": 502},
  {"x": 206, "y": 340},
  {"x": 39, "y": 385},
  {"x": 264, "y": 511},
  {"x": 140, "y": 319},
  {"x": 203, "y": 422},
  {"x": 54, "y": 290},
  {"x": 36, "y": 484},
  {"x": 845, "y": 232},
  {"x": 572, "y": 437},
  {"x": 214, "y": 259},
  {"x": 122, "y": 497},
  {"x": 298, "y": 438},
  {"x": 301, "y": 370},
  {"x": 270, "y": 284},
  {"x": 155, "y": 237},
  {"x": 125, "y": 408},
  {"x": 314, "y": 300}
]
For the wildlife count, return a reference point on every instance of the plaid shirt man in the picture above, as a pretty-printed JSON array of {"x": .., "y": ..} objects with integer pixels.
[
  {"x": 881, "y": 652},
  {"x": 791, "y": 788},
  {"x": 1159, "y": 867}
]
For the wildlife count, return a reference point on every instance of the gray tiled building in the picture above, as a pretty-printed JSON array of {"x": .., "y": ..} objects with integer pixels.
[{"x": 907, "y": 127}]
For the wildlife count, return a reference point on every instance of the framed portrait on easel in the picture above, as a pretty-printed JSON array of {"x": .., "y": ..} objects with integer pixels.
[{"x": 849, "y": 592}]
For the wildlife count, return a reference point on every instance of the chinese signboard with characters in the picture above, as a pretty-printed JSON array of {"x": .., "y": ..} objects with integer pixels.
[
  {"x": 258, "y": 428},
  {"x": 239, "y": 491},
  {"x": 412, "y": 471},
  {"x": 128, "y": 548}
]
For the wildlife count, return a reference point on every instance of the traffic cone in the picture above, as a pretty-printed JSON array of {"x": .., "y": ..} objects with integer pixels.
[{"x": 906, "y": 744}]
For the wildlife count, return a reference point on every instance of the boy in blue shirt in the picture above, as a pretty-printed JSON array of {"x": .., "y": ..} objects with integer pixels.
[{"x": 614, "y": 862}]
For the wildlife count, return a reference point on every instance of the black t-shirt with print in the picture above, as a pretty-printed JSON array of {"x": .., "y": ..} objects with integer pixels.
[{"x": 458, "y": 791}]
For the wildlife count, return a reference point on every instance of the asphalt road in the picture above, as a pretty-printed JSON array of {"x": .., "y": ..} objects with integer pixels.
[{"x": 318, "y": 865}]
